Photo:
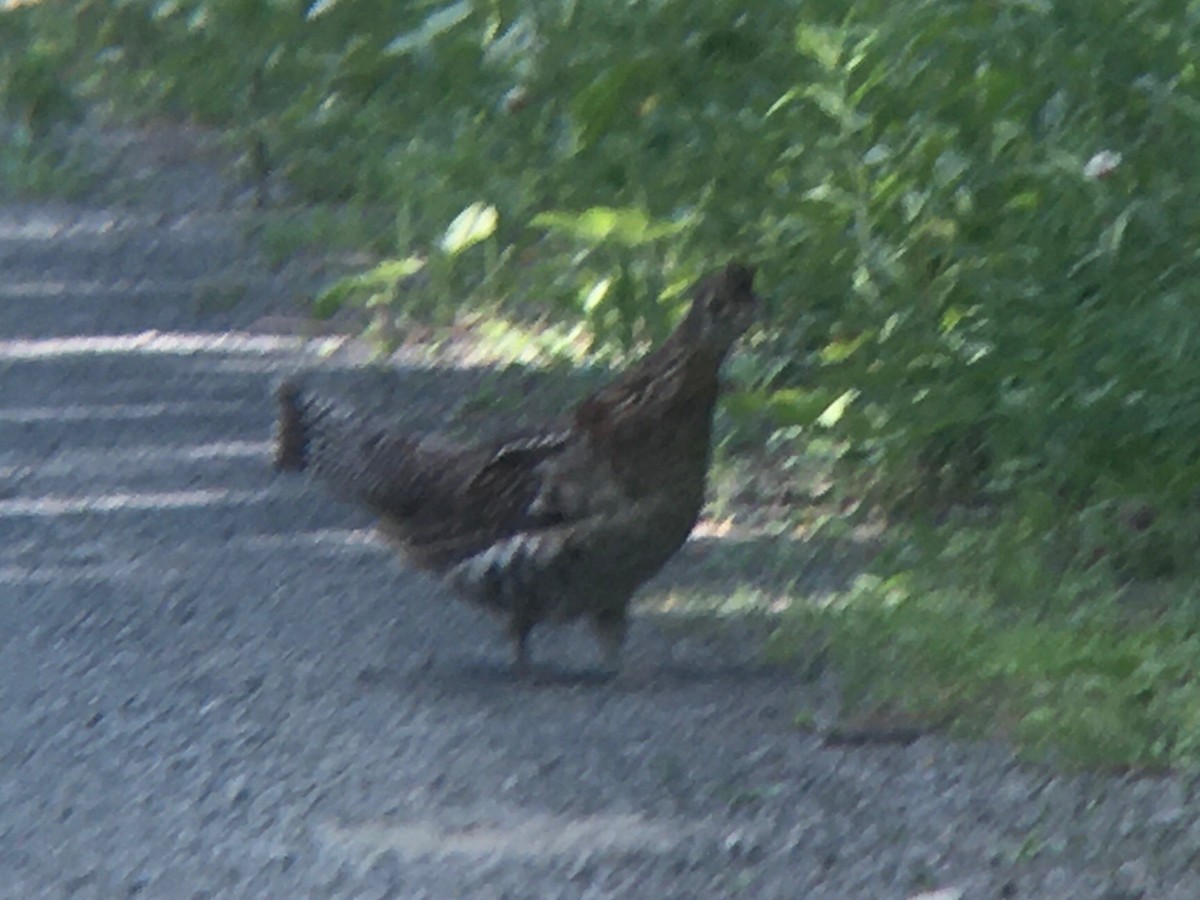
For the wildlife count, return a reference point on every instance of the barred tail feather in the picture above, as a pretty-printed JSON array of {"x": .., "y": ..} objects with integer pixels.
[{"x": 354, "y": 455}]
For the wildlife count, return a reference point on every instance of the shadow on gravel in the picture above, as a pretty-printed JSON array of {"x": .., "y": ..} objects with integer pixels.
[
  {"x": 688, "y": 629},
  {"x": 722, "y": 568},
  {"x": 467, "y": 673}
]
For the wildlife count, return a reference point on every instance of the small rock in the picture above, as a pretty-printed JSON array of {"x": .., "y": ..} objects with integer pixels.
[
  {"x": 1134, "y": 874},
  {"x": 1166, "y": 818},
  {"x": 236, "y": 791},
  {"x": 742, "y": 848},
  {"x": 940, "y": 894}
]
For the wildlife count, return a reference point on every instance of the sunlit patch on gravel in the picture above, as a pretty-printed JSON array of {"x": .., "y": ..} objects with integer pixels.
[
  {"x": 512, "y": 835},
  {"x": 124, "y": 500},
  {"x": 89, "y": 291},
  {"x": 318, "y": 538},
  {"x": 70, "y": 460},
  {"x": 148, "y": 342},
  {"x": 85, "y": 412},
  {"x": 47, "y": 224},
  {"x": 61, "y": 575}
]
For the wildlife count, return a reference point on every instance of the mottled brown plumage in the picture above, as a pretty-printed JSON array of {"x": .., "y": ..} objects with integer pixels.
[{"x": 553, "y": 524}]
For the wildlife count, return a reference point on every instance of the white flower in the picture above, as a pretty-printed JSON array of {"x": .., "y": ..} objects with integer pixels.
[{"x": 1101, "y": 165}]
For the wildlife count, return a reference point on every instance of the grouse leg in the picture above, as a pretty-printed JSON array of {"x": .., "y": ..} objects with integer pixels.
[{"x": 519, "y": 631}]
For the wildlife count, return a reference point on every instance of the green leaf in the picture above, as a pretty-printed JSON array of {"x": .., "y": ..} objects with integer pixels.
[
  {"x": 831, "y": 194},
  {"x": 388, "y": 272},
  {"x": 786, "y": 98},
  {"x": 949, "y": 168},
  {"x": 840, "y": 350},
  {"x": 320, "y": 8},
  {"x": 1111, "y": 237},
  {"x": 598, "y": 106},
  {"x": 363, "y": 287},
  {"x": 475, "y": 223},
  {"x": 834, "y": 412},
  {"x": 436, "y": 24},
  {"x": 821, "y": 43},
  {"x": 834, "y": 103},
  {"x": 334, "y": 297},
  {"x": 790, "y": 407},
  {"x": 628, "y": 226},
  {"x": 595, "y": 294}
]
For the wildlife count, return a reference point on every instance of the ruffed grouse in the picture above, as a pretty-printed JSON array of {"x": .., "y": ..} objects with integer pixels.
[{"x": 554, "y": 524}]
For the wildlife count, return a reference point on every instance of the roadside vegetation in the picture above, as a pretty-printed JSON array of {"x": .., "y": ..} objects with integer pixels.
[{"x": 978, "y": 225}]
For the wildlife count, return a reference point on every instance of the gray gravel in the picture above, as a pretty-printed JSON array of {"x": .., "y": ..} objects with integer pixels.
[{"x": 214, "y": 684}]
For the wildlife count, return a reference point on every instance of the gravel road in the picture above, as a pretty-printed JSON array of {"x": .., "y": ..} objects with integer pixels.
[{"x": 213, "y": 683}]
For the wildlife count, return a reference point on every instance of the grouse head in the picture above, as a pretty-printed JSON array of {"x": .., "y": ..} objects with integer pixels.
[{"x": 723, "y": 306}]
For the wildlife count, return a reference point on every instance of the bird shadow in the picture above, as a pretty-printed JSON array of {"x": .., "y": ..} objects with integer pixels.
[
  {"x": 486, "y": 676},
  {"x": 482, "y": 674},
  {"x": 689, "y": 630}
]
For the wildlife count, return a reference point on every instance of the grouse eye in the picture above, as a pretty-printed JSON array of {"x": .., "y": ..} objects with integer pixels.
[{"x": 740, "y": 279}]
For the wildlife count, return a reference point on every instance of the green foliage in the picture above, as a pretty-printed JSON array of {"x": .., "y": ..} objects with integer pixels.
[
  {"x": 975, "y": 624},
  {"x": 35, "y": 84},
  {"x": 37, "y": 98},
  {"x": 970, "y": 304},
  {"x": 32, "y": 166}
]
